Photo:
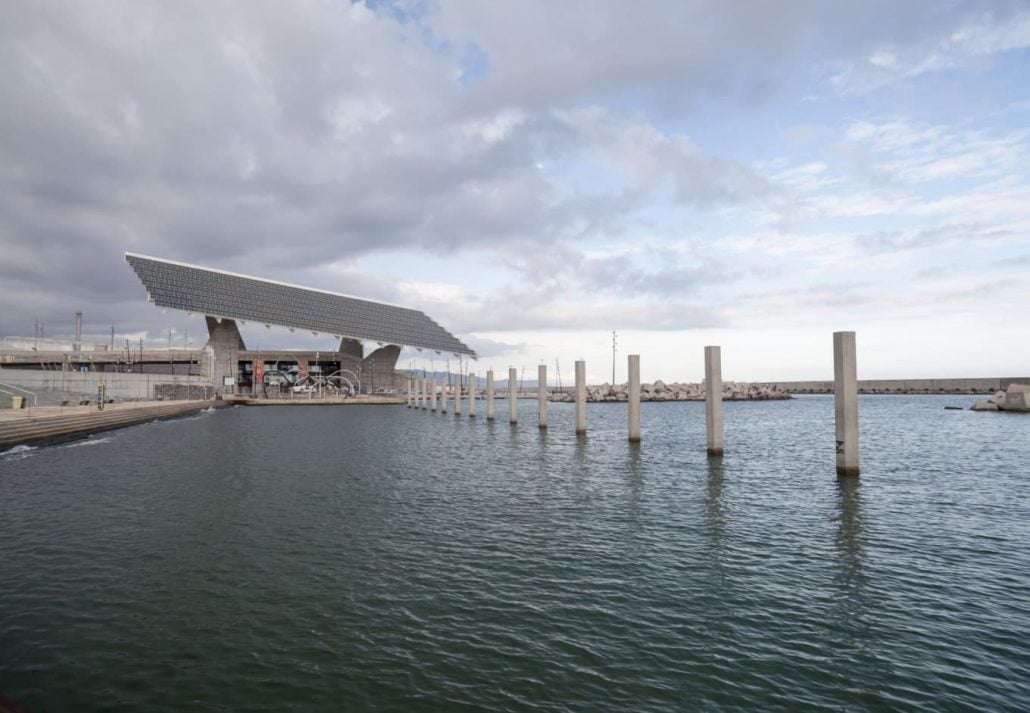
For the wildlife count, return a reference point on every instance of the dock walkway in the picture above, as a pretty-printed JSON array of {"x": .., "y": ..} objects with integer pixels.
[{"x": 55, "y": 423}]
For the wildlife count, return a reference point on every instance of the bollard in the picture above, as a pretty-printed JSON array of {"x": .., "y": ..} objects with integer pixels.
[
  {"x": 472, "y": 395},
  {"x": 489, "y": 394},
  {"x": 845, "y": 402},
  {"x": 457, "y": 395},
  {"x": 634, "y": 398},
  {"x": 513, "y": 396},
  {"x": 713, "y": 400},
  {"x": 541, "y": 394},
  {"x": 432, "y": 395},
  {"x": 581, "y": 398}
]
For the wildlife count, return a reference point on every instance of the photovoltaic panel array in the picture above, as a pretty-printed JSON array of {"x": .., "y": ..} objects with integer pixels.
[{"x": 206, "y": 291}]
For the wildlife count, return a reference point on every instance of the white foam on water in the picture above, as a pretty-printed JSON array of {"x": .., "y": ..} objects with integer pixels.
[
  {"x": 18, "y": 452},
  {"x": 90, "y": 442}
]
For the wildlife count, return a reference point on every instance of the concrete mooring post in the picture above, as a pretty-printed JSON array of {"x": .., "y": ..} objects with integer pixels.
[
  {"x": 845, "y": 401},
  {"x": 432, "y": 395},
  {"x": 581, "y": 398},
  {"x": 513, "y": 395},
  {"x": 472, "y": 395},
  {"x": 634, "y": 398},
  {"x": 713, "y": 400},
  {"x": 489, "y": 394},
  {"x": 541, "y": 394},
  {"x": 457, "y": 395}
]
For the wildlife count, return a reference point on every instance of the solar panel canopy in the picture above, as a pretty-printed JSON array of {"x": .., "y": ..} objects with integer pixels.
[{"x": 202, "y": 290}]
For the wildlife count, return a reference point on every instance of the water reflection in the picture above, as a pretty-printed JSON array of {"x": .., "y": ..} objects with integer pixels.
[
  {"x": 849, "y": 533},
  {"x": 715, "y": 507},
  {"x": 852, "y": 620}
]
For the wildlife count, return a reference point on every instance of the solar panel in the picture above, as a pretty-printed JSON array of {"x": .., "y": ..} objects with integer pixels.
[{"x": 203, "y": 290}]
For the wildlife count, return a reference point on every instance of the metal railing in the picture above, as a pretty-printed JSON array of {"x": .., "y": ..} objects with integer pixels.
[{"x": 4, "y": 388}]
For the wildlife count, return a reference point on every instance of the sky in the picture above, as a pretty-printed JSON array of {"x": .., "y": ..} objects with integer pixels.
[{"x": 536, "y": 175}]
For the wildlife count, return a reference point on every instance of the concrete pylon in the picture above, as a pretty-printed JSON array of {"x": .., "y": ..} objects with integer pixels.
[
  {"x": 581, "y": 398},
  {"x": 432, "y": 395},
  {"x": 541, "y": 395},
  {"x": 513, "y": 396},
  {"x": 411, "y": 392},
  {"x": 845, "y": 401},
  {"x": 225, "y": 343},
  {"x": 418, "y": 392},
  {"x": 634, "y": 398},
  {"x": 472, "y": 395},
  {"x": 443, "y": 396},
  {"x": 352, "y": 348},
  {"x": 713, "y": 400},
  {"x": 489, "y": 394},
  {"x": 457, "y": 395}
]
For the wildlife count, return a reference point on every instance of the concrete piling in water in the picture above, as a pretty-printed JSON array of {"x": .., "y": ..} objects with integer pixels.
[
  {"x": 581, "y": 398},
  {"x": 713, "y": 400},
  {"x": 541, "y": 395},
  {"x": 634, "y": 398},
  {"x": 489, "y": 394},
  {"x": 457, "y": 395},
  {"x": 845, "y": 401},
  {"x": 418, "y": 392},
  {"x": 432, "y": 395},
  {"x": 513, "y": 396},
  {"x": 443, "y": 396},
  {"x": 425, "y": 394},
  {"x": 411, "y": 392},
  {"x": 472, "y": 395}
]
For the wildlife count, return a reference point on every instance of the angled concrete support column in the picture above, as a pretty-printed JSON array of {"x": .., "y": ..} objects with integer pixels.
[
  {"x": 432, "y": 395},
  {"x": 541, "y": 394},
  {"x": 377, "y": 368},
  {"x": 845, "y": 401},
  {"x": 457, "y": 395},
  {"x": 352, "y": 348},
  {"x": 713, "y": 400},
  {"x": 225, "y": 343},
  {"x": 581, "y": 398},
  {"x": 472, "y": 395},
  {"x": 490, "y": 395},
  {"x": 513, "y": 396},
  {"x": 634, "y": 398}
]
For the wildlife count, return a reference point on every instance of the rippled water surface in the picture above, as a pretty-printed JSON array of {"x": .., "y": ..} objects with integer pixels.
[{"x": 322, "y": 559}]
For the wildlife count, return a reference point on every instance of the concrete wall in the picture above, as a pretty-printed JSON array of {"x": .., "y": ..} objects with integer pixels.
[
  {"x": 906, "y": 386},
  {"x": 116, "y": 386}
]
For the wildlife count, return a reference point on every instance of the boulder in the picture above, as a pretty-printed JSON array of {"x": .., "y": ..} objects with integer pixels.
[
  {"x": 1017, "y": 398},
  {"x": 984, "y": 406}
]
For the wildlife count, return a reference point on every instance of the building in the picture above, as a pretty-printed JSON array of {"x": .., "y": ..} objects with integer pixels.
[{"x": 225, "y": 364}]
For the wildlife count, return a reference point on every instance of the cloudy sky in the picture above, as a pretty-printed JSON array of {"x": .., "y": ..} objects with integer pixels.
[{"x": 535, "y": 175}]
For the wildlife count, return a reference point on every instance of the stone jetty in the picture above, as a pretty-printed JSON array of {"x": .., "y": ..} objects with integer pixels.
[{"x": 661, "y": 391}]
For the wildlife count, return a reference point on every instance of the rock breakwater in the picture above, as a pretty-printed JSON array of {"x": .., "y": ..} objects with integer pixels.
[{"x": 660, "y": 391}]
